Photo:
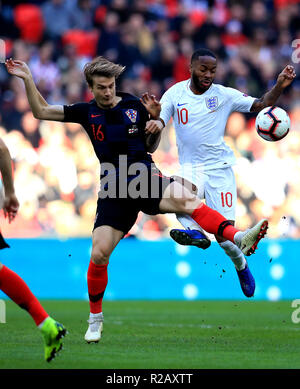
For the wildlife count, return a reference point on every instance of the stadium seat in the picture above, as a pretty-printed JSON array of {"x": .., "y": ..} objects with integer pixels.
[
  {"x": 100, "y": 15},
  {"x": 84, "y": 41},
  {"x": 29, "y": 19}
]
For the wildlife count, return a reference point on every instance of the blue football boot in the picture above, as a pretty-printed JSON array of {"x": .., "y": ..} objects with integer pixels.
[
  {"x": 247, "y": 281},
  {"x": 190, "y": 238}
]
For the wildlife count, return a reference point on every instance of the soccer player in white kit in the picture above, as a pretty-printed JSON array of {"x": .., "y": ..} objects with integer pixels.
[{"x": 200, "y": 110}]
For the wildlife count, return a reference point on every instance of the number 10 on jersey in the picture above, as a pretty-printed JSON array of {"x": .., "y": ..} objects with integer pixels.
[
  {"x": 226, "y": 199},
  {"x": 183, "y": 115}
]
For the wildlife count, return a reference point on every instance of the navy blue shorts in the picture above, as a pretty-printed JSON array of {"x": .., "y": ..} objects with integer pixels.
[{"x": 121, "y": 213}]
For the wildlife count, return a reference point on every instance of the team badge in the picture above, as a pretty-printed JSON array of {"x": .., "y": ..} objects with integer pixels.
[
  {"x": 133, "y": 130},
  {"x": 132, "y": 114},
  {"x": 212, "y": 102}
]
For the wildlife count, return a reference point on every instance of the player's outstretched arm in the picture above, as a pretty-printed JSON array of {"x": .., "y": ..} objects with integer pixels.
[
  {"x": 40, "y": 108},
  {"x": 11, "y": 204},
  {"x": 284, "y": 79}
]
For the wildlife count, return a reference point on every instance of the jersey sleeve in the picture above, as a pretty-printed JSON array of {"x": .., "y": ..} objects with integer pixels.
[
  {"x": 240, "y": 102},
  {"x": 167, "y": 107},
  {"x": 76, "y": 113}
]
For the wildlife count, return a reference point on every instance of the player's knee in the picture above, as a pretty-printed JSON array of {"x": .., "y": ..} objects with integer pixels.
[{"x": 100, "y": 256}]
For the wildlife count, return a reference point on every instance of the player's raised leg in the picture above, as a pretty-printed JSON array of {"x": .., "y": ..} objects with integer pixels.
[
  {"x": 105, "y": 239},
  {"x": 18, "y": 291},
  {"x": 178, "y": 199}
]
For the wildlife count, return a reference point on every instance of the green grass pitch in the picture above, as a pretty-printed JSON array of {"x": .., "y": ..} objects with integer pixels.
[{"x": 159, "y": 335}]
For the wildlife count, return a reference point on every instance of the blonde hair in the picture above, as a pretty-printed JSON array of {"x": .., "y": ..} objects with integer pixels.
[{"x": 102, "y": 67}]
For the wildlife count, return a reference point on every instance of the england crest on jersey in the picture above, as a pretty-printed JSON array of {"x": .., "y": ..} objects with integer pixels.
[
  {"x": 132, "y": 114},
  {"x": 212, "y": 102}
]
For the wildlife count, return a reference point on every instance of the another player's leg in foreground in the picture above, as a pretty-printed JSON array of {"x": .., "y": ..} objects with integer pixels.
[
  {"x": 53, "y": 332},
  {"x": 12, "y": 284},
  {"x": 18, "y": 291}
]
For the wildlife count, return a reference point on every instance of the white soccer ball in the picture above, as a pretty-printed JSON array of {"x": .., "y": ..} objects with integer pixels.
[{"x": 272, "y": 123}]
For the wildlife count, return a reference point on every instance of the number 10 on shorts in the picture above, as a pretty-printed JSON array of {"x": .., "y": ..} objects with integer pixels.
[{"x": 226, "y": 199}]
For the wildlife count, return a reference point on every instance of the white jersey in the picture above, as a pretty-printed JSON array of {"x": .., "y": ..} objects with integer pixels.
[{"x": 200, "y": 122}]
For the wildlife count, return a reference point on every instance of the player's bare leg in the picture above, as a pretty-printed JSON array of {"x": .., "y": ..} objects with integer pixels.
[
  {"x": 178, "y": 199},
  {"x": 105, "y": 239}
]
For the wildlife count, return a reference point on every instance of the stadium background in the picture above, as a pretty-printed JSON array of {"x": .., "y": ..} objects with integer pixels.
[{"x": 57, "y": 174}]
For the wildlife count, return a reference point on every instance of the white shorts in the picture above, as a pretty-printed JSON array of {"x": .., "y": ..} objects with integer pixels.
[{"x": 217, "y": 187}]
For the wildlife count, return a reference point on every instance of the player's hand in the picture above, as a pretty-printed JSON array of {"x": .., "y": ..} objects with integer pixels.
[
  {"x": 152, "y": 105},
  {"x": 153, "y": 127},
  {"x": 10, "y": 207},
  {"x": 17, "y": 68},
  {"x": 287, "y": 76}
]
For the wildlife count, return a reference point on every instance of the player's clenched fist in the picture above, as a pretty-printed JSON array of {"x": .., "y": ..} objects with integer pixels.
[
  {"x": 10, "y": 206},
  {"x": 286, "y": 77},
  {"x": 153, "y": 127}
]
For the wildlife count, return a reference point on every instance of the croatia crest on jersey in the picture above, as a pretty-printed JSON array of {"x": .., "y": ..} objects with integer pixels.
[
  {"x": 132, "y": 114},
  {"x": 211, "y": 102}
]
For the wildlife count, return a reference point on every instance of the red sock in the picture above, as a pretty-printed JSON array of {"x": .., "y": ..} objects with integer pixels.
[
  {"x": 97, "y": 281},
  {"x": 18, "y": 291},
  {"x": 213, "y": 222}
]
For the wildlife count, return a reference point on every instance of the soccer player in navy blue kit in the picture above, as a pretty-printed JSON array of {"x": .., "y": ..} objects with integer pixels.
[
  {"x": 130, "y": 182},
  {"x": 11, "y": 283}
]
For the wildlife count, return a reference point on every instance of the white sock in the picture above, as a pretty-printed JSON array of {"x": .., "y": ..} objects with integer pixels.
[
  {"x": 42, "y": 323},
  {"x": 94, "y": 325},
  {"x": 188, "y": 223},
  {"x": 238, "y": 236},
  {"x": 96, "y": 315},
  {"x": 235, "y": 254}
]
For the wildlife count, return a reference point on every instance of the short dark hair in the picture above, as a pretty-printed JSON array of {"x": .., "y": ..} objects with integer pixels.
[{"x": 202, "y": 53}]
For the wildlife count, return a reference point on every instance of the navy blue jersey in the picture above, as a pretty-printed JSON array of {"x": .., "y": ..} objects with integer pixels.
[{"x": 114, "y": 131}]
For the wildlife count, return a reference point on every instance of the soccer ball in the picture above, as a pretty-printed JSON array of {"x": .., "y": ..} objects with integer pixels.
[{"x": 272, "y": 123}]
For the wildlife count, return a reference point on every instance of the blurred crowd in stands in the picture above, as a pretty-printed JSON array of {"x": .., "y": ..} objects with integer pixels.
[{"x": 56, "y": 172}]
